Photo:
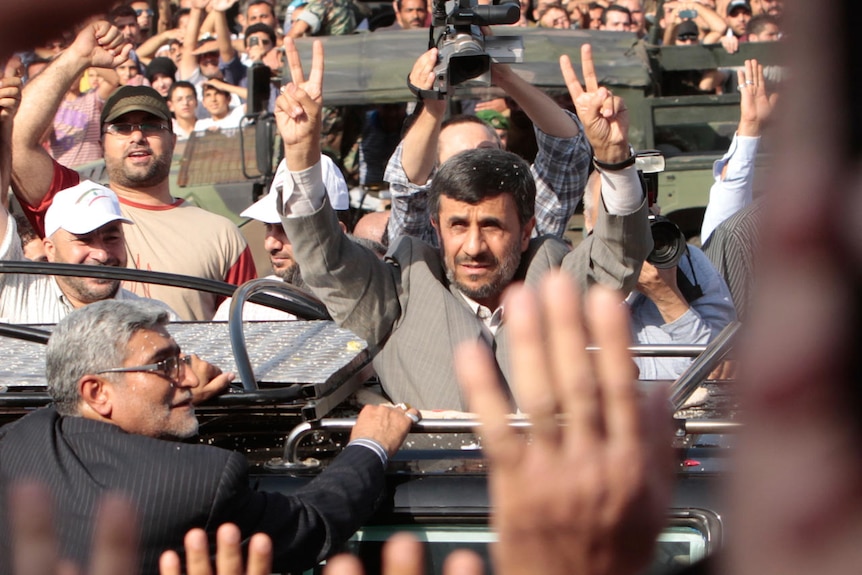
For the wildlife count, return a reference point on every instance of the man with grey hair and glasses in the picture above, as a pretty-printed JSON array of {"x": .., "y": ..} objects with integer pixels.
[{"x": 123, "y": 392}]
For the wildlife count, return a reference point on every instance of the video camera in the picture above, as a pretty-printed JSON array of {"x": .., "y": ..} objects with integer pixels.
[
  {"x": 669, "y": 241},
  {"x": 464, "y": 53}
]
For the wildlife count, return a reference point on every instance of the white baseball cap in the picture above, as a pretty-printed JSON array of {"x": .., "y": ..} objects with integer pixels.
[
  {"x": 265, "y": 209},
  {"x": 82, "y": 209}
]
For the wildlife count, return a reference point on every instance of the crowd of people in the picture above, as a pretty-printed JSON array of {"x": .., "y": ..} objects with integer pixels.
[{"x": 443, "y": 288}]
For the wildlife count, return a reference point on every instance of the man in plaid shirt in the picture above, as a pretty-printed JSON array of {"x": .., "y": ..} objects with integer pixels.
[{"x": 560, "y": 168}]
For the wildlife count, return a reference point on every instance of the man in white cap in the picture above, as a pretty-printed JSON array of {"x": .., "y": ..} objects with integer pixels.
[
  {"x": 276, "y": 242},
  {"x": 170, "y": 235},
  {"x": 84, "y": 225}
]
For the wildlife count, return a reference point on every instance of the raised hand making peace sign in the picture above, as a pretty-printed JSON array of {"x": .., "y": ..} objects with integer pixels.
[
  {"x": 297, "y": 110},
  {"x": 604, "y": 116}
]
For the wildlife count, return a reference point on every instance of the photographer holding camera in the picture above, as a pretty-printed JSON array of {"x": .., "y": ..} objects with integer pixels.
[
  {"x": 680, "y": 298},
  {"x": 559, "y": 169}
]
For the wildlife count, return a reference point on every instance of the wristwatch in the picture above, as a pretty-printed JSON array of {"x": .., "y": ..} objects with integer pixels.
[{"x": 619, "y": 165}]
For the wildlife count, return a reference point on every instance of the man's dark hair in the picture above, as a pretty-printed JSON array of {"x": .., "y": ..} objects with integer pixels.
[
  {"x": 400, "y": 4},
  {"x": 474, "y": 175},
  {"x": 758, "y": 23},
  {"x": 25, "y": 230},
  {"x": 181, "y": 84},
  {"x": 251, "y": 3},
  {"x": 615, "y": 8},
  {"x": 543, "y": 8},
  {"x": 595, "y": 6},
  {"x": 122, "y": 12},
  {"x": 259, "y": 27},
  {"x": 179, "y": 13},
  {"x": 208, "y": 86}
]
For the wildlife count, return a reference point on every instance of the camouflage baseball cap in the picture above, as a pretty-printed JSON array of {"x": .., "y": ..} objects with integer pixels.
[
  {"x": 496, "y": 120},
  {"x": 135, "y": 99}
]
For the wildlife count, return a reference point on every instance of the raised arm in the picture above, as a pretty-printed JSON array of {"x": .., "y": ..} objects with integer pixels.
[
  {"x": 413, "y": 161},
  {"x": 545, "y": 114},
  {"x": 614, "y": 252},
  {"x": 108, "y": 81},
  {"x": 98, "y": 44},
  {"x": 227, "y": 87},
  {"x": 358, "y": 288},
  {"x": 298, "y": 110},
  {"x": 562, "y": 162},
  {"x": 148, "y": 49},
  {"x": 10, "y": 98},
  {"x": 164, "y": 11},
  {"x": 734, "y": 172},
  {"x": 298, "y": 29},
  {"x": 226, "y": 50},
  {"x": 419, "y": 149},
  {"x": 710, "y": 22},
  {"x": 188, "y": 61}
]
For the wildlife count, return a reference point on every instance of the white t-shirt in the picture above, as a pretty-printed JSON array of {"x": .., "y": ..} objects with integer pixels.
[{"x": 232, "y": 120}]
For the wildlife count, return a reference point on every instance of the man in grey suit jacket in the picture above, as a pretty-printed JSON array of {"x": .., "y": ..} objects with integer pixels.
[
  {"x": 417, "y": 304},
  {"x": 121, "y": 387}
]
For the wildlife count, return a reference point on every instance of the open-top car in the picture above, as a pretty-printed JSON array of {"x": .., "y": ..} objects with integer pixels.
[{"x": 301, "y": 383}]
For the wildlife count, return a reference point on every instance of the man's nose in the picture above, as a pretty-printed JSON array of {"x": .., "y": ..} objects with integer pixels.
[
  {"x": 271, "y": 243},
  {"x": 137, "y": 134},
  {"x": 188, "y": 379},
  {"x": 99, "y": 253},
  {"x": 475, "y": 241}
]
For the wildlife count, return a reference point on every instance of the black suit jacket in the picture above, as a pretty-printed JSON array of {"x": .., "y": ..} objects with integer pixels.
[{"x": 177, "y": 486}]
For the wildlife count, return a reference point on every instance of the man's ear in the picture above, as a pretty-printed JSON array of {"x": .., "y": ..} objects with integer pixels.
[
  {"x": 342, "y": 226},
  {"x": 49, "y": 249},
  {"x": 436, "y": 225},
  {"x": 526, "y": 233},
  {"x": 97, "y": 393}
]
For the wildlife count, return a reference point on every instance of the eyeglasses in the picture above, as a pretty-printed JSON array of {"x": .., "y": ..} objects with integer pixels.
[
  {"x": 125, "y": 129},
  {"x": 171, "y": 368},
  {"x": 147, "y": 11},
  {"x": 255, "y": 40},
  {"x": 687, "y": 38}
]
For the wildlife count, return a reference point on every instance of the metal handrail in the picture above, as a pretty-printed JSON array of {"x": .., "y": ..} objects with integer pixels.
[
  {"x": 25, "y": 333},
  {"x": 661, "y": 350},
  {"x": 703, "y": 365},
  {"x": 306, "y": 306},
  {"x": 298, "y": 433},
  {"x": 146, "y": 276}
]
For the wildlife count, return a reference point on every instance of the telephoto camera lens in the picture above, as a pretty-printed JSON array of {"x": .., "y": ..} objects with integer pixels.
[{"x": 669, "y": 243}]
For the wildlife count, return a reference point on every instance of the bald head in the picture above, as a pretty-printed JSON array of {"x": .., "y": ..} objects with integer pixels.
[{"x": 372, "y": 226}]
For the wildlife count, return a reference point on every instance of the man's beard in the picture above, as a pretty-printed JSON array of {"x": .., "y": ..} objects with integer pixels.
[
  {"x": 495, "y": 285},
  {"x": 83, "y": 290},
  {"x": 186, "y": 430},
  {"x": 156, "y": 173},
  {"x": 292, "y": 275}
]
